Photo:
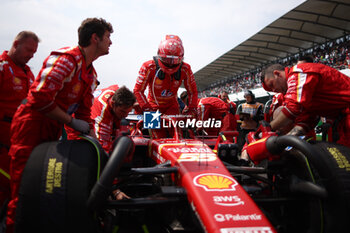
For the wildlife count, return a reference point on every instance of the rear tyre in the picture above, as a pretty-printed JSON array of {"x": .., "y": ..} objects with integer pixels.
[
  {"x": 333, "y": 168},
  {"x": 55, "y": 186}
]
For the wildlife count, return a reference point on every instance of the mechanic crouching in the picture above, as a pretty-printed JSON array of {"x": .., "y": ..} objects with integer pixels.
[
  {"x": 310, "y": 90},
  {"x": 216, "y": 108}
]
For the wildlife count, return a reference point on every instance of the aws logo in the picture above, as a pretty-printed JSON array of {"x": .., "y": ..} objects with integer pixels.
[
  {"x": 228, "y": 200},
  {"x": 215, "y": 182}
]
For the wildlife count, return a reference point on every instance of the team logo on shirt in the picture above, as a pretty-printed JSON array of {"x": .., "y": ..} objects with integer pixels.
[
  {"x": 17, "y": 81},
  {"x": 166, "y": 93},
  {"x": 158, "y": 81}
]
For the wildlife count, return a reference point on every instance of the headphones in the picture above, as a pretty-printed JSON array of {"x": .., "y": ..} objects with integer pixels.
[{"x": 161, "y": 75}]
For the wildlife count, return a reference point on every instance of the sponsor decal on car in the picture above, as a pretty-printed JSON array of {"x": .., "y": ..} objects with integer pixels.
[
  {"x": 197, "y": 157},
  {"x": 215, "y": 182},
  {"x": 159, "y": 157},
  {"x": 190, "y": 150},
  {"x": 237, "y": 217},
  {"x": 228, "y": 200},
  {"x": 178, "y": 147},
  {"x": 247, "y": 230}
]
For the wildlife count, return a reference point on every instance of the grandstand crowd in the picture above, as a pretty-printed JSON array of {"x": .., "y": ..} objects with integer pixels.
[{"x": 334, "y": 53}]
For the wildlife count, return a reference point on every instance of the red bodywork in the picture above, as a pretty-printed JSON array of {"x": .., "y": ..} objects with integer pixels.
[{"x": 218, "y": 200}]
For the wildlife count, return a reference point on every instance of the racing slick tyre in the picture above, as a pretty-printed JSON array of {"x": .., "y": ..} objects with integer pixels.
[
  {"x": 56, "y": 184},
  {"x": 333, "y": 168},
  {"x": 312, "y": 186}
]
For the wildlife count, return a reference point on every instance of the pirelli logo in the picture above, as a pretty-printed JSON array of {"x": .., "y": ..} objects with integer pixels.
[
  {"x": 53, "y": 175},
  {"x": 341, "y": 160}
]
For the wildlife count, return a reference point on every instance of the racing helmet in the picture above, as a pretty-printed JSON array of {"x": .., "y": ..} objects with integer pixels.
[{"x": 170, "y": 54}]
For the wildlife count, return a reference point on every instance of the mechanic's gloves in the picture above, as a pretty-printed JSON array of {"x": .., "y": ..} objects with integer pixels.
[{"x": 79, "y": 125}]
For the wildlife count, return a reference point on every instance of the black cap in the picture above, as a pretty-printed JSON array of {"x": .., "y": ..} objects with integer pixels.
[{"x": 248, "y": 92}]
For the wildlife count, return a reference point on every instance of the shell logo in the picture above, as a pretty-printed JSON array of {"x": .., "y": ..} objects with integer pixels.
[
  {"x": 215, "y": 182},
  {"x": 17, "y": 81},
  {"x": 76, "y": 88},
  {"x": 158, "y": 81}
]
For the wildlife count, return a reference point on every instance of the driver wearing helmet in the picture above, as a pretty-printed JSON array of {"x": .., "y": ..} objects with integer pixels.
[{"x": 163, "y": 75}]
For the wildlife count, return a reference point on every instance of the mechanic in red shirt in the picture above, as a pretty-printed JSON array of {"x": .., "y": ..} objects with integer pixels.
[
  {"x": 310, "y": 89},
  {"x": 216, "y": 108},
  {"x": 277, "y": 101},
  {"x": 232, "y": 106},
  {"x": 110, "y": 106},
  {"x": 64, "y": 86},
  {"x": 15, "y": 80},
  {"x": 163, "y": 76}
]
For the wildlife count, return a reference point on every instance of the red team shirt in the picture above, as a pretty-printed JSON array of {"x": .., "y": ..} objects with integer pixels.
[
  {"x": 106, "y": 123},
  {"x": 63, "y": 81},
  {"x": 213, "y": 107},
  {"x": 318, "y": 90},
  {"x": 14, "y": 86}
]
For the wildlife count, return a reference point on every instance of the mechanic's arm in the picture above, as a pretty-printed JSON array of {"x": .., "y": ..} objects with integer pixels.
[
  {"x": 140, "y": 87},
  {"x": 80, "y": 125},
  {"x": 281, "y": 122},
  {"x": 59, "y": 115},
  {"x": 297, "y": 131},
  {"x": 84, "y": 110}
]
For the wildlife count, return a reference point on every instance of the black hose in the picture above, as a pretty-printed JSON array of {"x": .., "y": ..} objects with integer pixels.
[
  {"x": 276, "y": 145},
  {"x": 103, "y": 186}
]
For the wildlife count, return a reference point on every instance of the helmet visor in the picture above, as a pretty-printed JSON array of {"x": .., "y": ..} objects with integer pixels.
[{"x": 170, "y": 60}]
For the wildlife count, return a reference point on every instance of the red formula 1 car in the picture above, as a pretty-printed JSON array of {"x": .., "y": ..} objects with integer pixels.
[{"x": 186, "y": 183}]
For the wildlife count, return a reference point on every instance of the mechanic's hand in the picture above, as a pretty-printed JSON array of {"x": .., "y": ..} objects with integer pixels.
[
  {"x": 79, "y": 125},
  {"x": 244, "y": 153},
  {"x": 119, "y": 195}
]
